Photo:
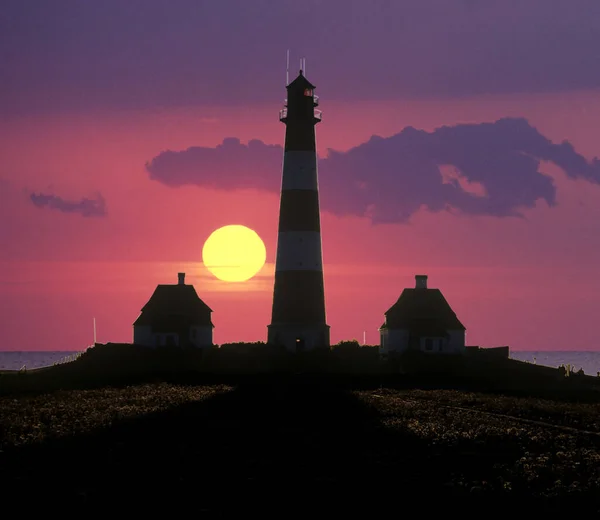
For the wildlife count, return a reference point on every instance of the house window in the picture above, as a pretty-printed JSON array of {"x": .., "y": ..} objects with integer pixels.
[{"x": 428, "y": 344}]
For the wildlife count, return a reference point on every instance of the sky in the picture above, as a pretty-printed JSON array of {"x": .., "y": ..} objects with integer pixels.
[{"x": 459, "y": 140}]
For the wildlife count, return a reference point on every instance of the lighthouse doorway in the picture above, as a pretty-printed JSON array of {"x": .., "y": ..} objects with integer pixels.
[{"x": 299, "y": 344}]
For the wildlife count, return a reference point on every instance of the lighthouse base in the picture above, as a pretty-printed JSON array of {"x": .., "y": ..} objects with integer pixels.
[{"x": 297, "y": 337}]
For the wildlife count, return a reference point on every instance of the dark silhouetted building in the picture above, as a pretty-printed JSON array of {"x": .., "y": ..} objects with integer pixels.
[
  {"x": 298, "y": 314},
  {"x": 174, "y": 315},
  {"x": 423, "y": 320}
]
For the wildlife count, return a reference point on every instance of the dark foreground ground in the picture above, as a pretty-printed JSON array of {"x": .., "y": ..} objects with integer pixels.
[{"x": 296, "y": 449}]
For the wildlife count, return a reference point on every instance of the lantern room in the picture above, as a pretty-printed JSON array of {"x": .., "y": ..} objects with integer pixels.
[{"x": 301, "y": 102}]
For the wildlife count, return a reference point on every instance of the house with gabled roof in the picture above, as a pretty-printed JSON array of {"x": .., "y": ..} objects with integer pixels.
[
  {"x": 421, "y": 319},
  {"x": 174, "y": 316}
]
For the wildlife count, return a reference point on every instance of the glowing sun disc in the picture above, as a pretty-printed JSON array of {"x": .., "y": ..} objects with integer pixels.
[{"x": 234, "y": 253}]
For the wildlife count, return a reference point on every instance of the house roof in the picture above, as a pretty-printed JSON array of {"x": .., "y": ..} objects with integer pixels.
[
  {"x": 423, "y": 312},
  {"x": 174, "y": 305},
  {"x": 431, "y": 328},
  {"x": 422, "y": 328},
  {"x": 175, "y": 323}
]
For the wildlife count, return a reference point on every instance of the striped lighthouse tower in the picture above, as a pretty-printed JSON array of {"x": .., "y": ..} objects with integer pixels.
[{"x": 298, "y": 317}]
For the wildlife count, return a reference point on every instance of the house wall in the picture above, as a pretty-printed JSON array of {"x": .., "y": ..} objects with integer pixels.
[
  {"x": 434, "y": 344},
  {"x": 383, "y": 341},
  {"x": 201, "y": 336},
  {"x": 142, "y": 335},
  {"x": 437, "y": 345},
  {"x": 396, "y": 340},
  {"x": 163, "y": 339},
  {"x": 393, "y": 340},
  {"x": 457, "y": 340}
]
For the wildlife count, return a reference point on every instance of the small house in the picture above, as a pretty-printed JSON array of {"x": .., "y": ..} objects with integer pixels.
[
  {"x": 176, "y": 316},
  {"x": 422, "y": 320}
]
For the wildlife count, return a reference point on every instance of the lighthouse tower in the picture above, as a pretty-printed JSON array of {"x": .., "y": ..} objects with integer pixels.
[{"x": 298, "y": 318}]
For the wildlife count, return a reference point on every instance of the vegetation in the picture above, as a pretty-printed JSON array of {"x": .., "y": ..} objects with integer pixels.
[
  {"x": 43, "y": 417},
  {"x": 194, "y": 444},
  {"x": 579, "y": 416},
  {"x": 501, "y": 444}
]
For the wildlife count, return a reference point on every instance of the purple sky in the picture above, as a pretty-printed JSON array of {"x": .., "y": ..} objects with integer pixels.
[{"x": 71, "y": 55}]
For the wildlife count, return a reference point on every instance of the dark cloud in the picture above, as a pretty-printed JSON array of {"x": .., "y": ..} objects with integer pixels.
[
  {"x": 95, "y": 207},
  {"x": 254, "y": 165},
  {"x": 68, "y": 54},
  {"x": 475, "y": 169}
]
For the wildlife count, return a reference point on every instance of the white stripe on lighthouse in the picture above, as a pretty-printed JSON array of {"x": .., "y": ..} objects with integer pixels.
[
  {"x": 299, "y": 170},
  {"x": 299, "y": 251}
]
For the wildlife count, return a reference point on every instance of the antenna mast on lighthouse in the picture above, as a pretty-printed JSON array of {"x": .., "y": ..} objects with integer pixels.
[
  {"x": 303, "y": 66},
  {"x": 287, "y": 68}
]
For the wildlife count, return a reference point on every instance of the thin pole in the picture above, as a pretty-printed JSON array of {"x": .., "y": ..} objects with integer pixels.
[
  {"x": 287, "y": 69},
  {"x": 364, "y": 337},
  {"x": 94, "y": 331}
]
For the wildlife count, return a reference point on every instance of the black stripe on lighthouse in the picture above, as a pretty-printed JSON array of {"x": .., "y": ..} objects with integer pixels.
[
  {"x": 300, "y": 298},
  {"x": 299, "y": 211},
  {"x": 300, "y": 136}
]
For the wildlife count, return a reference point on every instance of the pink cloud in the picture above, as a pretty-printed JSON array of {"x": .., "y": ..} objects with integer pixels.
[{"x": 390, "y": 179}]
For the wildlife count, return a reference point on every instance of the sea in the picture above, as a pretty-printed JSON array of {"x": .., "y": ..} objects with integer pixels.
[{"x": 588, "y": 360}]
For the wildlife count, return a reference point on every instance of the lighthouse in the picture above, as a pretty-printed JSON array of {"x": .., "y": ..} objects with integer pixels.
[{"x": 298, "y": 315}]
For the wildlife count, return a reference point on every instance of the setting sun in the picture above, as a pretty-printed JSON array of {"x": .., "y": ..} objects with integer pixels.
[{"x": 234, "y": 253}]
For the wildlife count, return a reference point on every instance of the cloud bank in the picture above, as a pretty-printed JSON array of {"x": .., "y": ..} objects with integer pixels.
[
  {"x": 230, "y": 165},
  {"x": 85, "y": 207},
  {"x": 474, "y": 169}
]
